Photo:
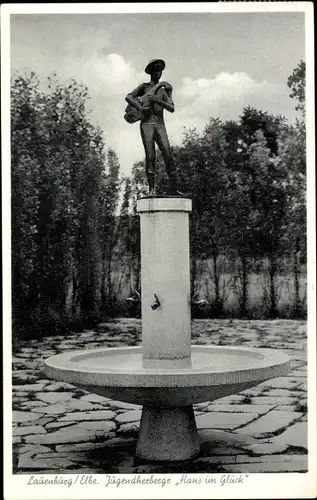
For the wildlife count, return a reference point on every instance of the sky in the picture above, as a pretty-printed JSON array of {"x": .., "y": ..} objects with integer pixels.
[{"x": 217, "y": 63}]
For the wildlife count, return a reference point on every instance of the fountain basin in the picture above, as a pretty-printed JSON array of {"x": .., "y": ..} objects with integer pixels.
[
  {"x": 216, "y": 371},
  {"x": 168, "y": 429}
]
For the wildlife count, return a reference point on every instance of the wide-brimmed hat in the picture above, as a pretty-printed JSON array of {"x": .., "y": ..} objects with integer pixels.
[{"x": 159, "y": 62}]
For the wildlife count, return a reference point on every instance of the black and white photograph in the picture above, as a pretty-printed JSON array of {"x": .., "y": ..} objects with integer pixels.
[{"x": 159, "y": 250}]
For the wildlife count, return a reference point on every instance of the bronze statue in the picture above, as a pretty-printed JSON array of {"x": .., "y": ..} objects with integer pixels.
[{"x": 147, "y": 103}]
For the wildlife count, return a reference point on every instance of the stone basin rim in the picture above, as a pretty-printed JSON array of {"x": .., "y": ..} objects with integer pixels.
[{"x": 273, "y": 364}]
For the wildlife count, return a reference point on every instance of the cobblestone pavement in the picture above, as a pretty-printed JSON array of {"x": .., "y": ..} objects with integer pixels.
[{"x": 58, "y": 428}]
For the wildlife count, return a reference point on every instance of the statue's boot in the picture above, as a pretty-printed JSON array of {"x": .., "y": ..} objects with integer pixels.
[
  {"x": 173, "y": 183},
  {"x": 151, "y": 182}
]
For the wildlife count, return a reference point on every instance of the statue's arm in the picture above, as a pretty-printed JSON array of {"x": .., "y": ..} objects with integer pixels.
[
  {"x": 131, "y": 97},
  {"x": 166, "y": 103}
]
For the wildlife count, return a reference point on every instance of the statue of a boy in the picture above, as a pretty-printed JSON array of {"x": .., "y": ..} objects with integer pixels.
[{"x": 147, "y": 103}]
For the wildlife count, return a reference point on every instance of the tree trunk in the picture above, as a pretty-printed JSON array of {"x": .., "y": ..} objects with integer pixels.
[
  {"x": 109, "y": 290},
  {"x": 218, "y": 299},
  {"x": 245, "y": 285},
  {"x": 272, "y": 273},
  {"x": 296, "y": 271},
  {"x": 90, "y": 260},
  {"x": 103, "y": 288},
  {"x": 137, "y": 273},
  {"x": 193, "y": 275}
]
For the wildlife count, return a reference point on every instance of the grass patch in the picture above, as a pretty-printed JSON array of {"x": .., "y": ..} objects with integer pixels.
[
  {"x": 16, "y": 380},
  {"x": 300, "y": 407},
  {"x": 133, "y": 342},
  {"x": 247, "y": 400},
  {"x": 240, "y": 341}
]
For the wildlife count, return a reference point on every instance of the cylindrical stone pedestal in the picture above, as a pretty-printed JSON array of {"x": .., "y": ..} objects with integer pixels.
[
  {"x": 167, "y": 434},
  {"x": 165, "y": 279}
]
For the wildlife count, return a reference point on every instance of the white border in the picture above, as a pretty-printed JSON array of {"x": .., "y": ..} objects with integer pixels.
[{"x": 257, "y": 485}]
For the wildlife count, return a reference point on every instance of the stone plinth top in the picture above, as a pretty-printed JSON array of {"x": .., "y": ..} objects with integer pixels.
[{"x": 162, "y": 204}]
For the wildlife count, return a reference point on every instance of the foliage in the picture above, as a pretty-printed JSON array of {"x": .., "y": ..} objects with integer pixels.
[
  {"x": 60, "y": 195},
  {"x": 297, "y": 83}
]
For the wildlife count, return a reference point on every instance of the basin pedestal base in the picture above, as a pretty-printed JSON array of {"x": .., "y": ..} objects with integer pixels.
[{"x": 167, "y": 434}]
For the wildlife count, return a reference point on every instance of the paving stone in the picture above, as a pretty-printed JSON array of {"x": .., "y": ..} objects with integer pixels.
[
  {"x": 282, "y": 383},
  {"x": 44, "y": 420},
  {"x": 237, "y": 398},
  {"x": 129, "y": 416},
  {"x": 124, "y": 406},
  {"x": 23, "y": 377},
  {"x": 120, "y": 442},
  {"x": 29, "y": 452},
  {"x": 218, "y": 450},
  {"x": 94, "y": 398},
  {"x": 34, "y": 364},
  {"x": 299, "y": 373},
  {"x": 32, "y": 404},
  {"x": 278, "y": 393},
  {"x": 268, "y": 458},
  {"x": 266, "y": 448},
  {"x": 295, "y": 435},
  {"x": 64, "y": 347},
  {"x": 24, "y": 416},
  {"x": 223, "y": 459},
  {"x": 239, "y": 408},
  {"x": 82, "y": 446},
  {"x": 222, "y": 420},
  {"x": 267, "y": 400},
  {"x": 54, "y": 397},
  {"x": 99, "y": 425},
  {"x": 130, "y": 428},
  {"x": 126, "y": 466},
  {"x": 201, "y": 406},
  {"x": 285, "y": 407},
  {"x": 80, "y": 470},
  {"x": 48, "y": 353},
  {"x": 74, "y": 456},
  {"x": 21, "y": 396},
  {"x": 89, "y": 333},
  {"x": 54, "y": 463},
  {"x": 57, "y": 386},
  {"x": 197, "y": 413},
  {"x": 29, "y": 429},
  {"x": 255, "y": 391},
  {"x": 59, "y": 425},
  {"x": 77, "y": 404},
  {"x": 92, "y": 415},
  {"x": 258, "y": 467},
  {"x": 73, "y": 434},
  {"x": 27, "y": 351},
  {"x": 15, "y": 360},
  {"x": 56, "y": 409},
  {"x": 30, "y": 447},
  {"x": 270, "y": 423},
  {"x": 28, "y": 388},
  {"x": 211, "y": 438}
]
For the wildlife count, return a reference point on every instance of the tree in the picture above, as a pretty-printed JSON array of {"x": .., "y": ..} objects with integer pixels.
[
  {"x": 57, "y": 163},
  {"x": 203, "y": 176},
  {"x": 297, "y": 83},
  {"x": 268, "y": 189},
  {"x": 108, "y": 219}
]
